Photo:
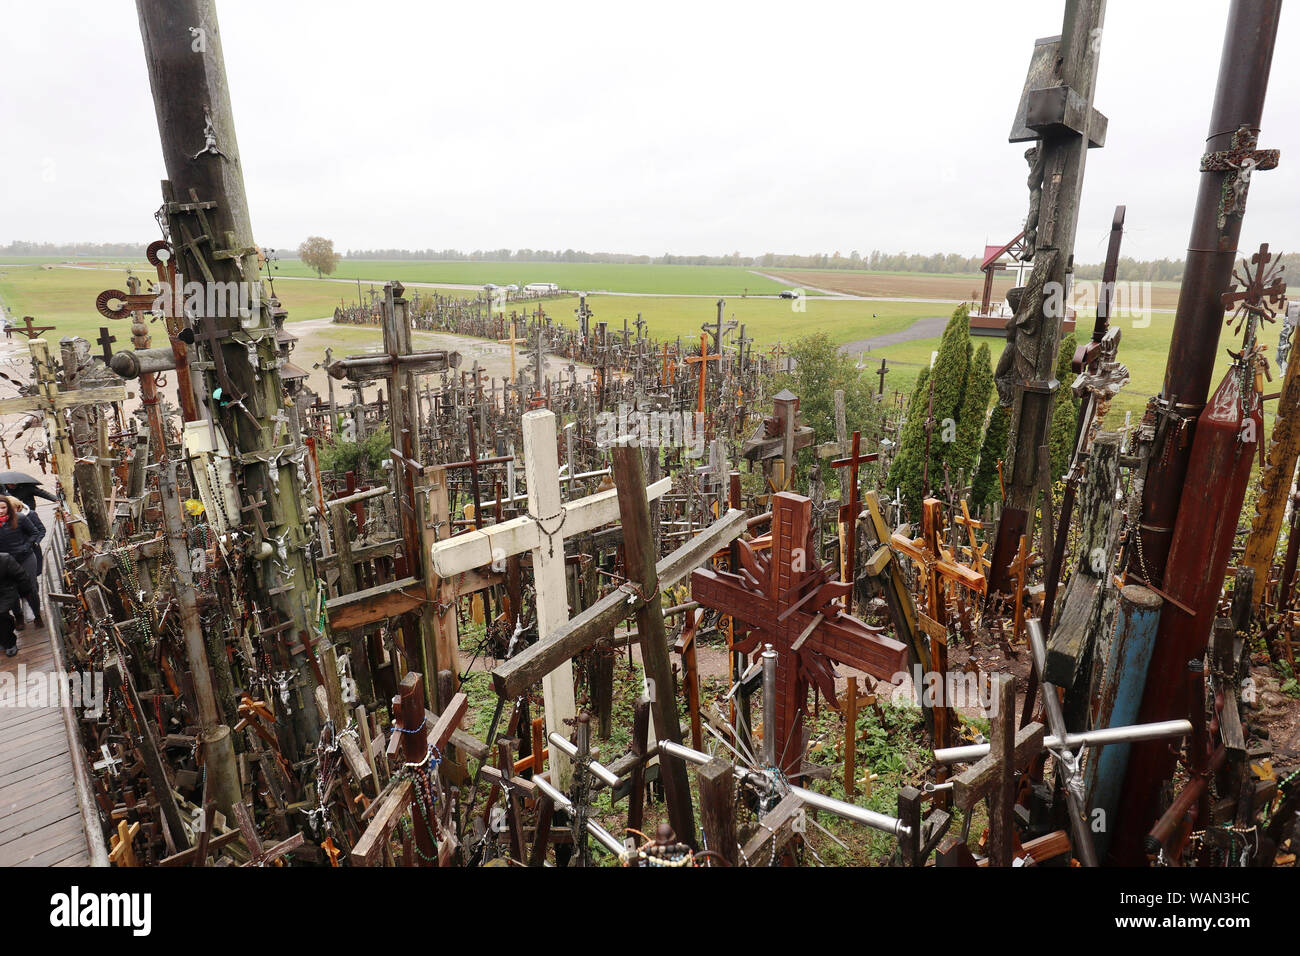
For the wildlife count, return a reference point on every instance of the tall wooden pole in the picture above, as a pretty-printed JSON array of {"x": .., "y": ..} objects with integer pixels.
[
  {"x": 211, "y": 232},
  {"x": 639, "y": 549},
  {"x": 1064, "y": 136}
]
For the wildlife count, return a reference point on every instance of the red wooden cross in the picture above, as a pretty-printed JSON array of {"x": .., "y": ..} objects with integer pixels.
[
  {"x": 783, "y": 602},
  {"x": 849, "y": 510}
]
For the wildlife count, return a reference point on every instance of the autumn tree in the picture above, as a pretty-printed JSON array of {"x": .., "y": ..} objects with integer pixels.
[{"x": 318, "y": 253}]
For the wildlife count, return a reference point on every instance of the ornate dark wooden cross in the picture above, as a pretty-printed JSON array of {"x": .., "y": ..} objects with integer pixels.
[
  {"x": 1261, "y": 290},
  {"x": 1240, "y": 160},
  {"x": 783, "y": 602},
  {"x": 850, "y": 508}
]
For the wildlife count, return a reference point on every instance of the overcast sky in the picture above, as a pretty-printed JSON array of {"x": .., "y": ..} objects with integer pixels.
[{"x": 699, "y": 127}]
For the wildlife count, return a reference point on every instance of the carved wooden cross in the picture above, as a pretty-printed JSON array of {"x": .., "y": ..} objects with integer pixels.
[
  {"x": 1262, "y": 290},
  {"x": 780, "y": 436},
  {"x": 1240, "y": 160},
  {"x": 785, "y": 603}
]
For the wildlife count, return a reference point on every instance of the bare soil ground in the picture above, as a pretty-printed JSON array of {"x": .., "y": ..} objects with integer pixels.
[{"x": 952, "y": 288}]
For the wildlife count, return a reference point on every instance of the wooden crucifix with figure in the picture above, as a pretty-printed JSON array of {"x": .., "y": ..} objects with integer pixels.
[{"x": 782, "y": 601}]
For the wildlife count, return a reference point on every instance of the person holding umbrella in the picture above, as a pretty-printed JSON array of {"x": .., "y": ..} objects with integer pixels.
[
  {"x": 20, "y": 539},
  {"x": 26, "y": 489}
]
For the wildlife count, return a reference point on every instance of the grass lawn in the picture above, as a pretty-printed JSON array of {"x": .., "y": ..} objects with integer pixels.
[
  {"x": 1142, "y": 350},
  {"x": 578, "y": 276},
  {"x": 64, "y": 296},
  {"x": 767, "y": 321}
]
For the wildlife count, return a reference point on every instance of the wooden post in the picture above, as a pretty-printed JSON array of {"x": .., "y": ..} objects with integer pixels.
[
  {"x": 208, "y": 218},
  {"x": 415, "y": 747},
  {"x": 634, "y": 512},
  {"x": 851, "y": 738},
  {"x": 639, "y": 745},
  {"x": 1002, "y": 797},
  {"x": 718, "y": 809}
]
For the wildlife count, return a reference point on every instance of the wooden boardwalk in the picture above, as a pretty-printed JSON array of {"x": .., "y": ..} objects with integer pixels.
[{"x": 40, "y": 817}]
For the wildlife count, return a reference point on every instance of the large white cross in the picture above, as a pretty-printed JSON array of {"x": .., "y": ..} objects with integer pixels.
[{"x": 542, "y": 531}]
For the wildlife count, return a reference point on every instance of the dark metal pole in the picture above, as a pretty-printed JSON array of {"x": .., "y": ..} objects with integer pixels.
[{"x": 1211, "y": 252}]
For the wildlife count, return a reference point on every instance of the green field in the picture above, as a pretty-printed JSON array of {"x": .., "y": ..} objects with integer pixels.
[
  {"x": 64, "y": 296},
  {"x": 576, "y": 276},
  {"x": 1142, "y": 350},
  {"x": 767, "y": 321}
]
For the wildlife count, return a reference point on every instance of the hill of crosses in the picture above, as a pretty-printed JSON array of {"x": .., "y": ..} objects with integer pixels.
[{"x": 515, "y": 583}]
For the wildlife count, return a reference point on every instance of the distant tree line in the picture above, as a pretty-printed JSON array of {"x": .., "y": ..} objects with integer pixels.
[
  {"x": 108, "y": 249},
  {"x": 1133, "y": 270}
]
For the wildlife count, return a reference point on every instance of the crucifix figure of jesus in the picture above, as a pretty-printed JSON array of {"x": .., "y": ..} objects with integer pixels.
[
  {"x": 542, "y": 531},
  {"x": 785, "y": 602}
]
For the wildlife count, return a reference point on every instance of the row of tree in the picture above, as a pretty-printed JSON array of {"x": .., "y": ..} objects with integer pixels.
[{"x": 1132, "y": 270}]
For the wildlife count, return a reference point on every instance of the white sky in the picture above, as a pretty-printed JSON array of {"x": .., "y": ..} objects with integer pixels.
[{"x": 698, "y": 127}]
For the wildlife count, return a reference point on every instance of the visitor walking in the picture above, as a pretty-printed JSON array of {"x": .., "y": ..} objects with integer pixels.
[{"x": 20, "y": 538}]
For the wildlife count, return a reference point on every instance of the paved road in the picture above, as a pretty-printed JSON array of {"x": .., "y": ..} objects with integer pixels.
[{"x": 929, "y": 327}]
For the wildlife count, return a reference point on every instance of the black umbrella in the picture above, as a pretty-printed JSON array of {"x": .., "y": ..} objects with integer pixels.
[{"x": 17, "y": 478}]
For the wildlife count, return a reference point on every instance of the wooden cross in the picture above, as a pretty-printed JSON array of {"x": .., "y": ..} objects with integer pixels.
[
  {"x": 262, "y": 855},
  {"x": 702, "y": 360},
  {"x": 994, "y": 774},
  {"x": 50, "y": 403},
  {"x": 1239, "y": 161},
  {"x": 977, "y": 560},
  {"x": 512, "y": 342},
  {"x": 106, "y": 340},
  {"x": 543, "y": 532},
  {"x": 850, "y": 508},
  {"x": 794, "y": 607},
  {"x": 882, "y": 372},
  {"x": 32, "y": 331},
  {"x": 936, "y": 569},
  {"x": 669, "y": 374},
  {"x": 717, "y": 329},
  {"x": 780, "y": 436},
  {"x": 122, "y": 845},
  {"x": 849, "y": 707},
  {"x": 1262, "y": 290}
]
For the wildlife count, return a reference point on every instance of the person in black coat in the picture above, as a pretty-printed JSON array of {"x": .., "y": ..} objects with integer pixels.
[
  {"x": 20, "y": 538},
  {"x": 15, "y": 584},
  {"x": 28, "y": 494}
]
